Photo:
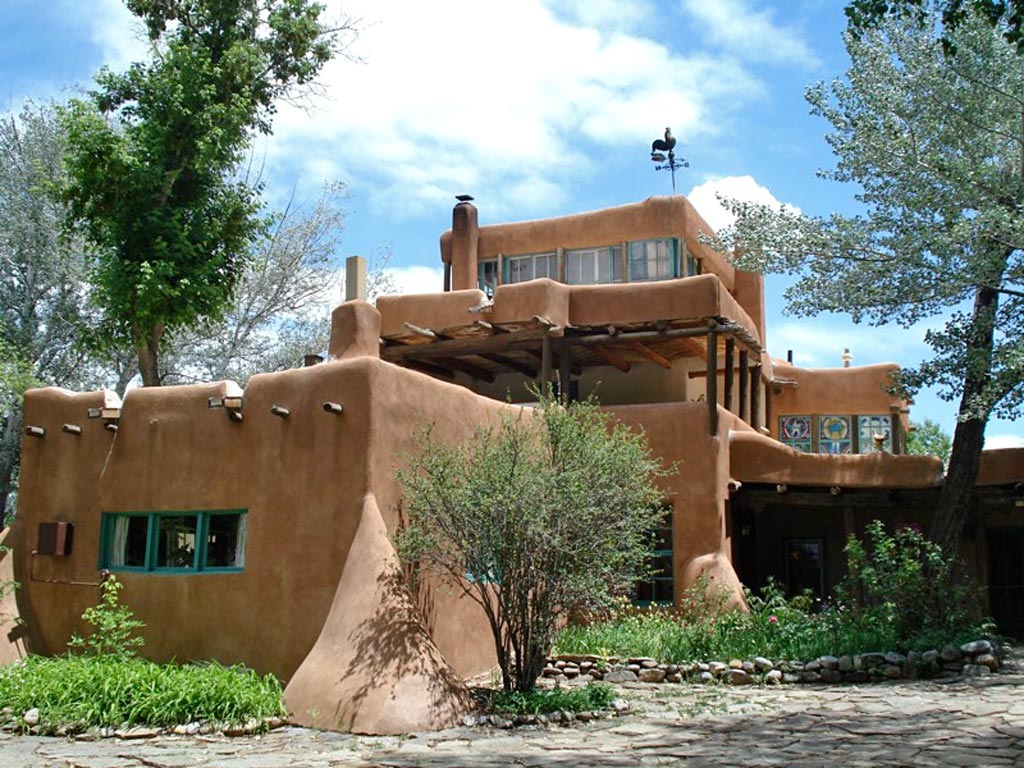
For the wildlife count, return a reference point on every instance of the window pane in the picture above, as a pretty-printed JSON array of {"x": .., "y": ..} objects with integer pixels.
[
  {"x": 176, "y": 543},
  {"x": 128, "y": 542},
  {"x": 835, "y": 436},
  {"x": 804, "y": 566},
  {"x": 871, "y": 427},
  {"x": 225, "y": 541},
  {"x": 795, "y": 431},
  {"x": 487, "y": 277}
]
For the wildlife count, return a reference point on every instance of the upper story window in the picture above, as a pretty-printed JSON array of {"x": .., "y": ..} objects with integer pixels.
[
  {"x": 519, "y": 269},
  {"x": 487, "y": 276},
  {"x": 173, "y": 542},
  {"x": 654, "y": 259},
  {"x": 587, "y": 266}
]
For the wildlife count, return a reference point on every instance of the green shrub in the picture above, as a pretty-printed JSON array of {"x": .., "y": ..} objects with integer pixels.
[
  {"x": 114, "y": 625},
  {"x": 542, "y": 701},
  {"x": 905, "y": 582},
  {"x": 79, "y": 692}
]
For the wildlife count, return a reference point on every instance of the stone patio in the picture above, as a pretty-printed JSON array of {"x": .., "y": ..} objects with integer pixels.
[{"x": 961, "y": 722}]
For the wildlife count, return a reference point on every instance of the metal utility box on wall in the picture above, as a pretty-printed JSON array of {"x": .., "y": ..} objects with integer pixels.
[{"x": 55, "y": 539}]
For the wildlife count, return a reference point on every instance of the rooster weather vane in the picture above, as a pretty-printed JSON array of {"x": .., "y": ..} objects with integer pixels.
[{"x": 658, "y": 149}]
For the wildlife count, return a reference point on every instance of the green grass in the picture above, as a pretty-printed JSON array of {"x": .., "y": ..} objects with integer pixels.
[
  {"x": 542, "y": 701},
  {"x": 774, "y": 627},
  {"x": 79, "y": 692}
]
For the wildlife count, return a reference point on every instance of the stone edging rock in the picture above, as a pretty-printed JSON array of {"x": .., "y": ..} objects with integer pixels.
[
  {"x": 30, "y": 722},
  {"x": 973, "y": 659}
]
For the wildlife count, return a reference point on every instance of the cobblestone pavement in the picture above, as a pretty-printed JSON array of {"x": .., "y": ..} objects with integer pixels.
[{"x": 964, "y": 722}]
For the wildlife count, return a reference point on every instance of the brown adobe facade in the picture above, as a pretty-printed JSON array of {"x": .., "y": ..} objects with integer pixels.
[{"x": 254, "y": 526}]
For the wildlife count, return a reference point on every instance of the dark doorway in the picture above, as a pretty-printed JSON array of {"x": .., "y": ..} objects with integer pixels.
[{"x": 1005, "y": 548}]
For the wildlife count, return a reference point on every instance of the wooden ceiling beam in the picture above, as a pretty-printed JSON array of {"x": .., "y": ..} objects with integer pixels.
[
  {"x": 611, "y": 358},
  {"x": 650, "y": 354}
]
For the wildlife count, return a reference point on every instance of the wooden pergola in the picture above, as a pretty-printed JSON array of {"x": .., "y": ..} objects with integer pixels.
[{"x": 539, "y": 348}]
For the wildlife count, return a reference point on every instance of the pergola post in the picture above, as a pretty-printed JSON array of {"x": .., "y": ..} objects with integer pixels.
[
  {"x": 729, "y": 373},
  {"x": 755, "y": 397},
  {"x": 744, "y": 382},
  {"x": 545, "y": 364},
  {"x": 712, "y": 382},
  {"x": 564, "y": 369}
]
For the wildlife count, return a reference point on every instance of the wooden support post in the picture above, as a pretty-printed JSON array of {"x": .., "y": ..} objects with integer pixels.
[
  {"x": 564, "y": 369},
  {"x": 712, "y": 382},
  {"x": 755, "y": 397},
  {"x": 744, "y": 382},
  {"x": 896, "y": 430},
  {"x": 730, "y": 372},
  {"x": 545, "y": 364}
]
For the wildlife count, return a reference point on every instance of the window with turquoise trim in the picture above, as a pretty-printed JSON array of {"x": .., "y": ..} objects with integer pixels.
[
  {"x": 174, "y": 542},
  {"x": 653, "y": 259},
  {"x": 519, "y": 269},
  {"x": 588, "y": 266},
  {"x": 659, "y": 587},
  {"x": 487, "y": 276}
]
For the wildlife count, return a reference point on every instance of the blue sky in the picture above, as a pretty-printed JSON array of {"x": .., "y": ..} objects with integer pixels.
[{"x": 537, "y": 108}]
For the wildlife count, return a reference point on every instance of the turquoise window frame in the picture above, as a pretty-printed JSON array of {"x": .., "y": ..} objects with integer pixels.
[
  {"x": 667, "y": 525},
  {"x": 152, "y": 541},
  {"x": 673, "y": 258}
]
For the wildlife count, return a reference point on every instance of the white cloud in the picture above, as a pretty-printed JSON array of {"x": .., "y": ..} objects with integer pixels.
[
  {"x": 113, "y": 29},
  {"x": 1004, "y": 441},
  {"x": 750, "y": 34},
  {"x": 502, "y": 100},
  {"x": 418, "y": 279},
  {"x": 705, "y": 198},
  {"x": 614, "y": 14}
]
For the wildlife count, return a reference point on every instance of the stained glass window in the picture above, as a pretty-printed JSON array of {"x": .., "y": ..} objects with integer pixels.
[
  {"x": 795, "y": 431},
  {"x": 835, "y": 434},
  {"x": 871, "y": 426}
]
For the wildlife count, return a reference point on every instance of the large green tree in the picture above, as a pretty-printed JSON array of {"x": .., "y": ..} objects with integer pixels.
[
  {"x": 153, "y": 155},
  {"x": 542, "y": 516},
  {"x": 932, "y": 135},
  {"x": 1005, "y": 15},
  {"x": 44, "y": 300}
]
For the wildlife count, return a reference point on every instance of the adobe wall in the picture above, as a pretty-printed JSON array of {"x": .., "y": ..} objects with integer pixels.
[
  {"x": 860, "y": 389},
  {"x": 302, "y": 479},
  {"x": 698, "y": 487}
]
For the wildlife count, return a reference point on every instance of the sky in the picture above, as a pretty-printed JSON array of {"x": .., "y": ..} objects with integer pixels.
[{"x": 537, "y": 108}]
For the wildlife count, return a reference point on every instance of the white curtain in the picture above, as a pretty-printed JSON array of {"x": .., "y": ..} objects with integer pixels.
[
  {"x": 243, "y": 523},
  {"x": 119, "y": 541}
]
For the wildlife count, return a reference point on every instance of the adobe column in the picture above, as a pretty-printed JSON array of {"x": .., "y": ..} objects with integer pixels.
[{"x": 465, "y": 244}]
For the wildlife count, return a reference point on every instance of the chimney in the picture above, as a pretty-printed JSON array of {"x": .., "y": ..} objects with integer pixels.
[
  {"x": 355, "y": 278},
  {"x": 465, "y": 243}
]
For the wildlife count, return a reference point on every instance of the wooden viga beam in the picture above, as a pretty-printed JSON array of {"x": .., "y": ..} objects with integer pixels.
[{"x": 471, "y": 345}]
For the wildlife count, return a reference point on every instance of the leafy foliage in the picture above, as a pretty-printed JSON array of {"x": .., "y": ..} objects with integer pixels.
[
  {"x": 536, "y": 702},
  {"x": 80, "y": 692},
  {"x": 151, "y": 155},
  {"x": 927, "y": 438},
  {"x": 278, "y": 310},
  {"x": 114, "y": 626},
  {"x": 901, "y": 594},
  {"x": 44, "y": 303},
  {"x": 1005, "y": 15},
  {"x": 932, "y": 138},
  {"x": 542, "y": 515},
  {"x": 905, "y": 581}
]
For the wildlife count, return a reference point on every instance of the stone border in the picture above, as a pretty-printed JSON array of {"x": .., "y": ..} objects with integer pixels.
[
  {"x": 973, "y": 659},
  {"x": 29, "y": 723}
]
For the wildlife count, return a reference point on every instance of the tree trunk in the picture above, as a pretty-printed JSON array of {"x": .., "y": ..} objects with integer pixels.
[
  {"x": 148, "y": 348},
  {"x": 955, "y": 501}
]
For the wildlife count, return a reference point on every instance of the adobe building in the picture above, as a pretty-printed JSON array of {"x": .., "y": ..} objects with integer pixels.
[{"x": 254, "y": 526}]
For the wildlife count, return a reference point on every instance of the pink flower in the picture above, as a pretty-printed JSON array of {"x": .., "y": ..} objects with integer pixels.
[{"x": 773, "y": 619}]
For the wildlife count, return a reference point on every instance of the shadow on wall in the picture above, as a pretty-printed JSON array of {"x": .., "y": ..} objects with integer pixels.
[{"x": 374, "y": 668}]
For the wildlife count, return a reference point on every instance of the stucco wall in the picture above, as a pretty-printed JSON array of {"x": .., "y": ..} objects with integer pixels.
[{"x": 302, "y": 480}]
